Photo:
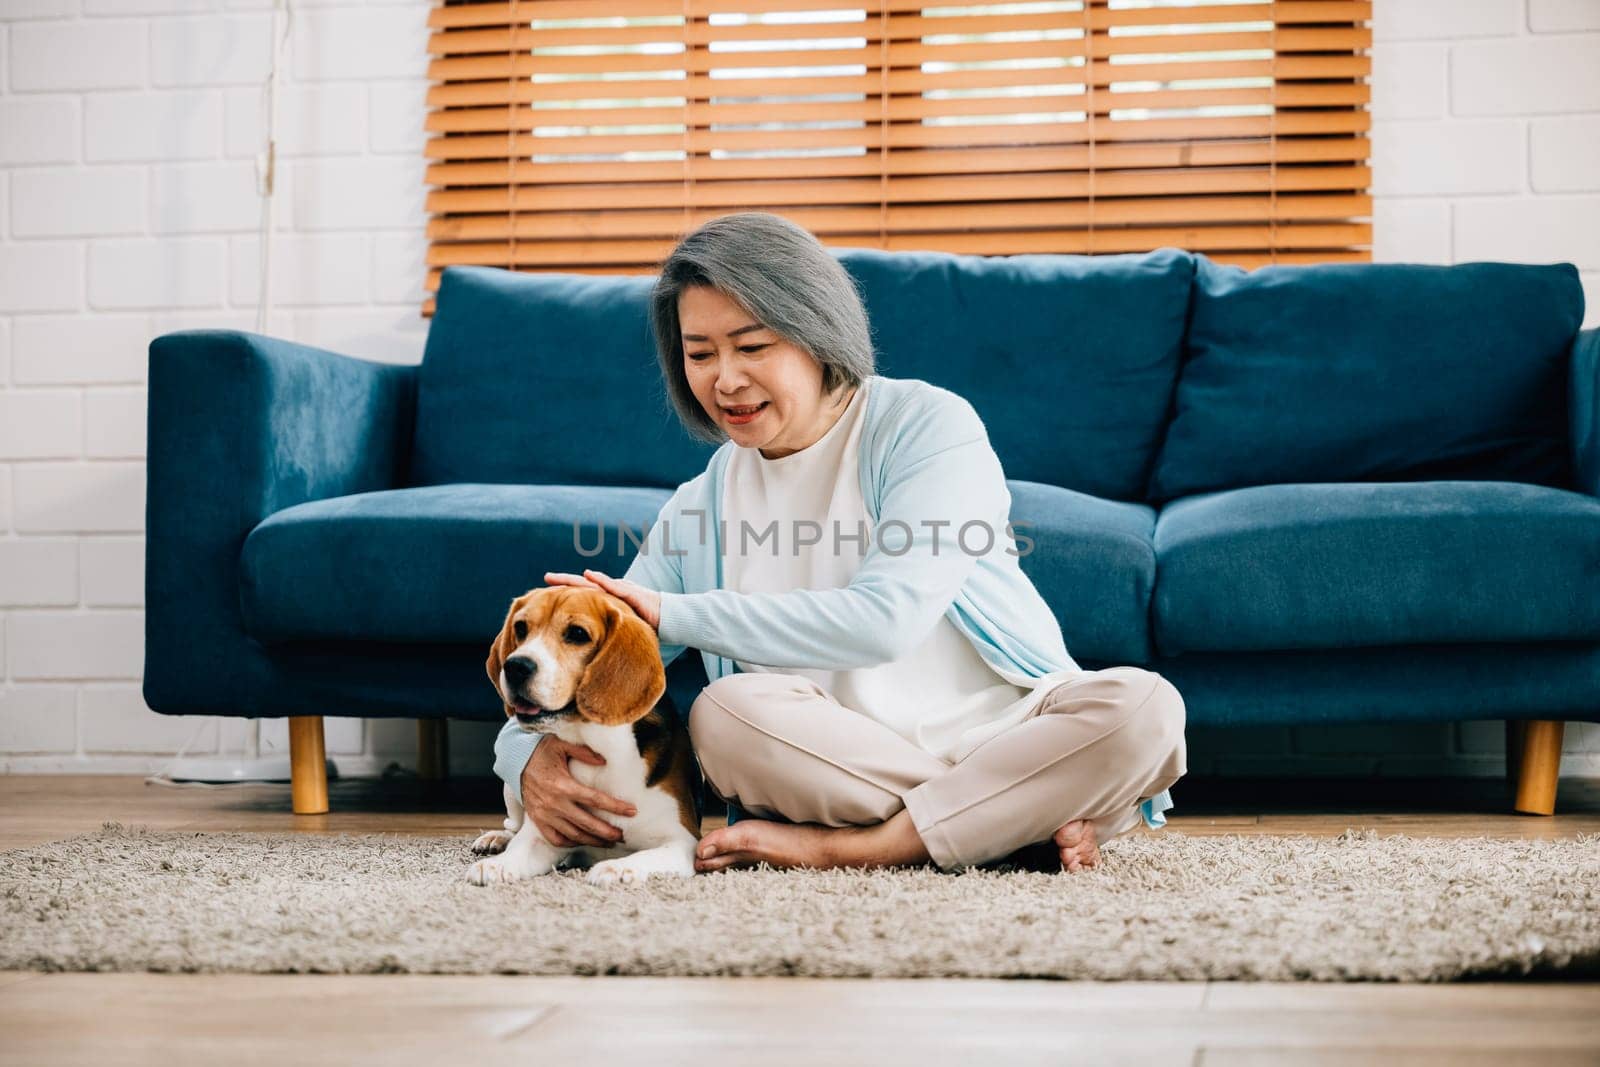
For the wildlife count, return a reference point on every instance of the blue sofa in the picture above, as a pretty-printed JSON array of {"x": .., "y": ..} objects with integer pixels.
[{"x": 1304, "y": 494}]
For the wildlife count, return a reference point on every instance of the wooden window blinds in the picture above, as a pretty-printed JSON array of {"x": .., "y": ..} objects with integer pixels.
[{"x": 590, "y": 135}]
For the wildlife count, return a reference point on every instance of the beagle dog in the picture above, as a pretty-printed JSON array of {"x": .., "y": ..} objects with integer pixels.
[{"x": 579, "y": 663}]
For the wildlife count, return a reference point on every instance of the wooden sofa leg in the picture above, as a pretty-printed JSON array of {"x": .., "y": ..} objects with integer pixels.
[
  {"x": 1539, "y": 766},
  {"x": 433, "y": 749},
  {"x": 308, "y": 765}
]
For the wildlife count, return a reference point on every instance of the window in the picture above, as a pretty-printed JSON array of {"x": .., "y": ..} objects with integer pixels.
[{"x": 589, "y": 135}]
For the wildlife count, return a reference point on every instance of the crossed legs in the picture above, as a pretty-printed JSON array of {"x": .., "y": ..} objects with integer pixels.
[{"x": 1095, "y": 747}]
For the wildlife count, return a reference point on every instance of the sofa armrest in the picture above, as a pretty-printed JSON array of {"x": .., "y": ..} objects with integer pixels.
[
  {"x": 241, "y": 426},
  {"x": 1584, "y": 397}
]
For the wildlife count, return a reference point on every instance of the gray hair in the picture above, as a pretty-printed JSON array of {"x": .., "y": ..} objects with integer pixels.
[{"x": 787, "y": 281}]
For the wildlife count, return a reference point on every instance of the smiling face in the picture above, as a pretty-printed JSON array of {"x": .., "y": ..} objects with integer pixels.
[
  {"x": 763, "y": 391},
  {"x": 568, "y": 652}
]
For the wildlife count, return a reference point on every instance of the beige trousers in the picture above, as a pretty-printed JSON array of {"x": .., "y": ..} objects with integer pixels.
[{"x": 1094, "y": 748}]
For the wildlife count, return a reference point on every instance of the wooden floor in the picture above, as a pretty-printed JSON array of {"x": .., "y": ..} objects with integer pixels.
[{"x": 395, "y": 1020}]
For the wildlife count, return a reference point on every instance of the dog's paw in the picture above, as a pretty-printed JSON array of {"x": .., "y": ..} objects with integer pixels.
[
  {"x": 487, "y": 872},
  {"x": 492, "y": 843},
  {"x": 497, "y": 870},
  {"x": 634, "y": 869},
  {"x": 615, "y": 872}
]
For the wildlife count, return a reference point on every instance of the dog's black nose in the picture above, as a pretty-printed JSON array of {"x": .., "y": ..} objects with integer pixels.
[{"x": 518, "y": 670}]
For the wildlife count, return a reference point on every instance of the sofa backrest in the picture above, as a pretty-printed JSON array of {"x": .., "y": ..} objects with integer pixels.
[
  {"x": 546, "y": 379},
  {"x": 1069, "y": 360},
  {"x": 1348, "y": 372},
  {"x": 1081, "y": 367}
]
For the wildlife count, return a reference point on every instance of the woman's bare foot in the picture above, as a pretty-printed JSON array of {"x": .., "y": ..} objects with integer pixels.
[
  {"x": 747, "y": 842},
  {"x": 1078, "y": 846}
]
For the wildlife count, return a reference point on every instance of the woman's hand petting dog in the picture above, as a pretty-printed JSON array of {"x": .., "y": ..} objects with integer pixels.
[
  {"x": 559, "y": 804},
  {"x": 646, "y": 602}
]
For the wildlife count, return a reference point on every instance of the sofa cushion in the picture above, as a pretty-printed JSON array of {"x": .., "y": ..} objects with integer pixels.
[
  {"x": 442, "y": 563},
  {"x": 546, "y": 379},
  {"x": 1347, "y": 372},
  {"x": 1069, "y": 360},
  {"x": 1338, "y": 566},
  {"x": 1094, "y": 563},
  {"x": 439, "y": 563}
]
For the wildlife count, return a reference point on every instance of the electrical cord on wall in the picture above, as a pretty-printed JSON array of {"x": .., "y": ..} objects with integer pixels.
[
  {"x": 267, "y": 159},
  {"x": 266, "y": 182}
]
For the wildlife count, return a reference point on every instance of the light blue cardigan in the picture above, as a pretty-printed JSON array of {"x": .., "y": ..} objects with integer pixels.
[{"x": 924, "y": 453}]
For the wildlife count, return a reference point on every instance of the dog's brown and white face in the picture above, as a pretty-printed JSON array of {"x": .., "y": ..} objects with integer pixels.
[{"x": 573, "y": 652}]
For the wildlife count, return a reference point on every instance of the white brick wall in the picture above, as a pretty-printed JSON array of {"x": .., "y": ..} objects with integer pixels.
[
  {"x": 1486, "y": 133},
  {"x": 160, "y": 126},
  {"x": 128, "y": 132},
  {"x": 128, "y": 208}
]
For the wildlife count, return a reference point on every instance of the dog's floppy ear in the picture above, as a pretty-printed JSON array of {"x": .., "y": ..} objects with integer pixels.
[
  {"x": 625, "y": 678},
  {"x": 504, "y": 642}
]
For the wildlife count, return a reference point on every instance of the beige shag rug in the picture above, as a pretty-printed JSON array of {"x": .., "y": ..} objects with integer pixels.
[{"x": 1160, "y": 906}]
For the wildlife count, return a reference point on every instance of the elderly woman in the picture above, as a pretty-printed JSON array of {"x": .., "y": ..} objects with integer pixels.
[{"x": 888, "y": 688}]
